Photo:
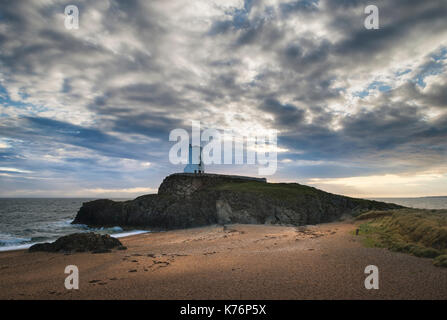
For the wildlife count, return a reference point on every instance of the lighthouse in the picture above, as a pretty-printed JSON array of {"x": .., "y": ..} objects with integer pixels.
[{"x": 195, "y": 164}]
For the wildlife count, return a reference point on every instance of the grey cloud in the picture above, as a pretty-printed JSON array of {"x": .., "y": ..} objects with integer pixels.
[
  {"x": 286, "y": 115},
  {"x": 304, "y": 6},
  {"x": 154, "y": 69}
]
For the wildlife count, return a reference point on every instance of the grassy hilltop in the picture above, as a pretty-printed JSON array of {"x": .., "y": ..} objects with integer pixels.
[
  {"x": 422, "y": 233},
  {"x": 292, "y": 192}
]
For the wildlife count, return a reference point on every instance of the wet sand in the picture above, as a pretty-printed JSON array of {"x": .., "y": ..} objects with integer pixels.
[{"x": 239, "y": 262}]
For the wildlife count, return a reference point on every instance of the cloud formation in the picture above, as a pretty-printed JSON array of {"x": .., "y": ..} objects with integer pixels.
[{"x": 88, "y": 109}]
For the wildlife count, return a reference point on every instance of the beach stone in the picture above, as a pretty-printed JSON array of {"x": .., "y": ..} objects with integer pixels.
[{"x": 79, "y": 242}]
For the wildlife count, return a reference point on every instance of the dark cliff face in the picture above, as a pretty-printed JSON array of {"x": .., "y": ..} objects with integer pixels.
[{"x": 188, "y": 200}]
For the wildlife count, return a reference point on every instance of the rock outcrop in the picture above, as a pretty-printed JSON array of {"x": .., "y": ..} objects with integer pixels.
[
  {"x": 190, "y": 200},
  {"x": 80, "y": 242}
]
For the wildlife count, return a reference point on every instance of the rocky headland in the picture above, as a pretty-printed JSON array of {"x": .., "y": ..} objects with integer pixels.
[{"x": 191, "y": 200}]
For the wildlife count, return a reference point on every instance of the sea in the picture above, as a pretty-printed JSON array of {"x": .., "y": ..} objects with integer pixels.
[
  {"x": 24, "y": 222},
  {"x": 420, "y": 203}
]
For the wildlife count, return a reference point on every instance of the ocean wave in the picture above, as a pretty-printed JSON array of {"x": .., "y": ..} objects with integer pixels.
[
  {"x": 129, "y": 233},
  {"x": 10, "y": 240},
  {"x": 93, "y": 229},
  {"x": 16, "y": 247}
]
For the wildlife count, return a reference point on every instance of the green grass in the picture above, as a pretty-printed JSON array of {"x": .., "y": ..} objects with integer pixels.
[
  {"x": 300, "y": 194},
  {"x": 276, "y": 190},
  {"x": 374, "y": 214},
  {"x": 441, "y": 261},
  {"x": 422, "y": 233}
]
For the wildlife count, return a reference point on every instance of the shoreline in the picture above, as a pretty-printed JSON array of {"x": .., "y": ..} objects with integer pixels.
[
  {"x": 324, "y": 261},
  {"x": 118, "y": 235}
]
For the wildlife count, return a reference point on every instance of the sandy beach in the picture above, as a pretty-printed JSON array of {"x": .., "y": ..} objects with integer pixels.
[{"x": 237, "y": 262}]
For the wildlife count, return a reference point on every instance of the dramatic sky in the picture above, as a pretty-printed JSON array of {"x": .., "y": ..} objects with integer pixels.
[{"x": 88, "y": 112}]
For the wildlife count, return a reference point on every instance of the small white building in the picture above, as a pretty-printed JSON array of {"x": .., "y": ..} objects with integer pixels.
[{"x": 195, "y": 163}]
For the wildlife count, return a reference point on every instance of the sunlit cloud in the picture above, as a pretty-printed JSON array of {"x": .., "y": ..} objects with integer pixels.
[
  {"x": 388, "y": 185},
  {"x": 14, "y": 170},
  {"x": 90, "y": 110},
  {"x": 121, "y": 191}
]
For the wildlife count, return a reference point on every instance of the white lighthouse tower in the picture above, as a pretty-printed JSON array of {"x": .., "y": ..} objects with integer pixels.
[{"x": 195, "y": 164}]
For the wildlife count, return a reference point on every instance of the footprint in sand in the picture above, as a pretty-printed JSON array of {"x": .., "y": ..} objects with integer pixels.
[
  {"x": 233, "y": 231},
  {"x": 94, "y": 281},
  {"x": 158, "y": 264}
]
